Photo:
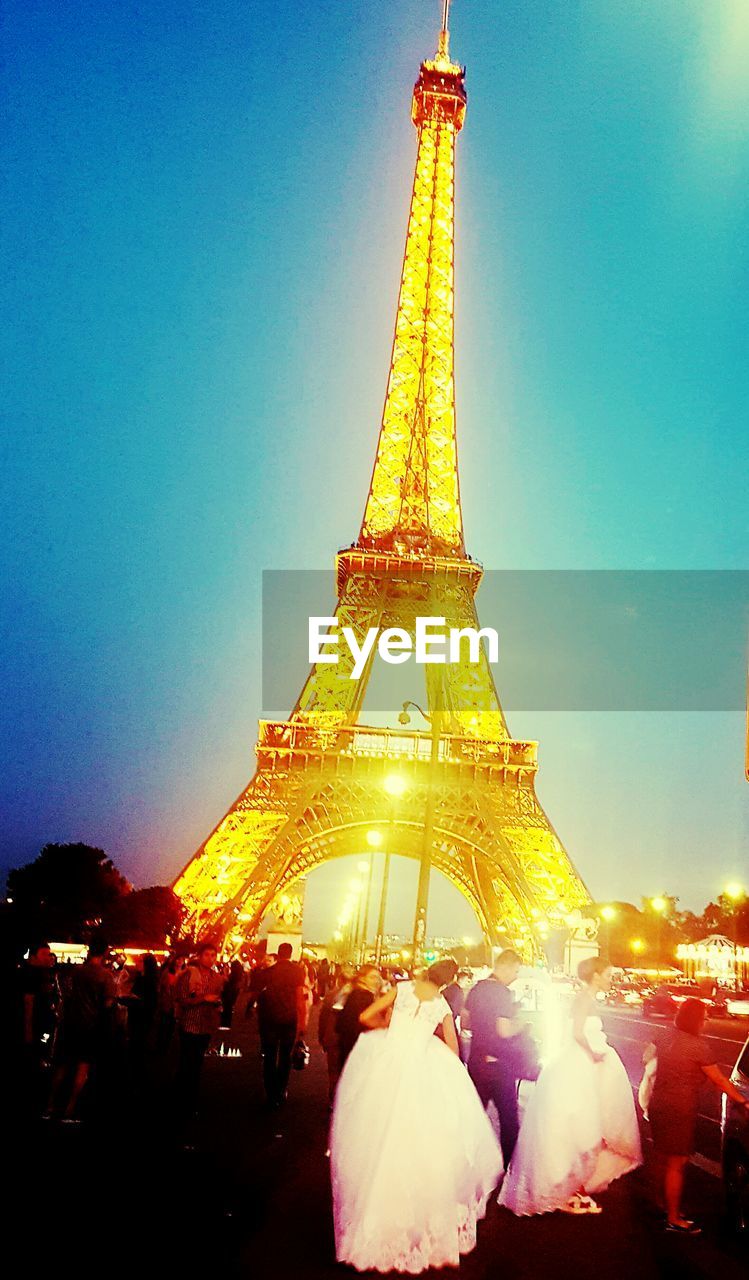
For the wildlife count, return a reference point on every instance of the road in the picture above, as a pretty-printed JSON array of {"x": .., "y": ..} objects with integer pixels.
[{"x": 251, "y": 1199}]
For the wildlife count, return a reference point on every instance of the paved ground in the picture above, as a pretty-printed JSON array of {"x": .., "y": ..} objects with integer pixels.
[{"x": 119, "y": 1195}]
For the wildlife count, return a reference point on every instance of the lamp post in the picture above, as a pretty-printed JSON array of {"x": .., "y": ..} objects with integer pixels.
[
  {"x": 395, "y": 785},
  {"x": 735, "y": 892},
  {"x": 365, "y": 869},
  {"x": 425, "y": 863}
]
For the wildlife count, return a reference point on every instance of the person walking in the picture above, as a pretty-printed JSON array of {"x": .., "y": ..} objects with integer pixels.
[
  {"x": 258, "y": 979},
  {"x": 490, "y": 1014},
  {"x": 198, "y": 1007},
  {"x": 413, "y": 1155},
  {"x": 281, "y": 1015},
  {"x": 580, "y": 1128},
  {"x": 684, "y": 1063}
]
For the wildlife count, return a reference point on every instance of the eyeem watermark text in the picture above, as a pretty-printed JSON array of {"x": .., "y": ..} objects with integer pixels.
[{"x": 431, "y": 642}]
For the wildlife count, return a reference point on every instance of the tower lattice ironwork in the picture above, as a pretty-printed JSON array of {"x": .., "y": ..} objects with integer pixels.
[{"x": 319, "y": 784}]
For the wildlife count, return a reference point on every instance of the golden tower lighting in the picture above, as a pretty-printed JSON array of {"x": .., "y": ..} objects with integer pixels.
[{"x": 466, "y": 802}]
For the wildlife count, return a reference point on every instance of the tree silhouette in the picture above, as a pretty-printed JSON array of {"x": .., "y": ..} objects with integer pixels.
[
  {"x": 145, "y": 917},
  {"x": 65, "y": 892}
]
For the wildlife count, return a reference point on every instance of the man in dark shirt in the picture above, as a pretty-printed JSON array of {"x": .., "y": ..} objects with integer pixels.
[
  {"x": 39, "y": 996},
  {"x": 455, "y": 993},
  {"x": 84, "y": 1027},
  {"x": 491, "y": 1016},
  {"x": 281, "y": 1014},
  {"x": 363, "y": 993},
  {"x": 38, "y": 1001}
]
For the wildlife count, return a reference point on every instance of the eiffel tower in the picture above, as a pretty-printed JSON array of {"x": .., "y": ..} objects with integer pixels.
[{"x": 320, "y": 783}]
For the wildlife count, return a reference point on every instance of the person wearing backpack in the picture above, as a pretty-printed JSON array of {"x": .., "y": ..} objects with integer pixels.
[{"x": 281, "y": 1019}]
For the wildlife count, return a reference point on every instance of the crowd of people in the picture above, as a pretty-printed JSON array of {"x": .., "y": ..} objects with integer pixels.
[
  {"x": 415, "y": 1069},
  {"x": 79, "y": 1028}
]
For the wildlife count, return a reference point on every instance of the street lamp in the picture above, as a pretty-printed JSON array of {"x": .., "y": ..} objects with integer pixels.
[
  {"x": 395, "y": 785},
  {"x": 736, "y": 893},
  {"x": 425, "y": 863}
]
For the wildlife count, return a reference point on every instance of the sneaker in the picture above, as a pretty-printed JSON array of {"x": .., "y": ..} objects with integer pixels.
[{"x": 685, "y": 1228}]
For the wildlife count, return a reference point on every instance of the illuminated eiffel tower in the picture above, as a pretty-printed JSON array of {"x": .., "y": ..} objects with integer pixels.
[{"x": 319, "y": 788}]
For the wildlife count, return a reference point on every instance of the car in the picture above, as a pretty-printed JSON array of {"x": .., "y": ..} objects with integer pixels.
[
  {"x": 734, "y": 1132},
  {"x": 737, "y": 1004},
  {"x": 625, "y": 994},
  {"x": 664, "y": 1001}
]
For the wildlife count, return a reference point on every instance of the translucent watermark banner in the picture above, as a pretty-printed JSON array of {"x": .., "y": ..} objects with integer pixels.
[{"x": 588, "y": 640}]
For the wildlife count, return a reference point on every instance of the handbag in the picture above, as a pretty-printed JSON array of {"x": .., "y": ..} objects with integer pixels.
[
  {"x": 300, "y": 1055},
  {"x": 524, "y": 1056}
]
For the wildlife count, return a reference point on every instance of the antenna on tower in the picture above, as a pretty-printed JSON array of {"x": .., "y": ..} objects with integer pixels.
[{"x": 443, "y": 48}]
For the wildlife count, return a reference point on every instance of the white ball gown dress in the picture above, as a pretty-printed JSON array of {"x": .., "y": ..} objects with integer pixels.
[
  {"x": 413, "y": 1155},
  {"x": 579, "y": 1131}
]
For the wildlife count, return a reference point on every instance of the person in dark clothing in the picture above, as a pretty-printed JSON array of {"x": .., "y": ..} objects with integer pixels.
[
  {"x": 327, "y": 1025},
  {"x": 258, "y": 979},
  {"x": 491, "y": 1016},
  {"x": 686, "y": 1061},
  {"x": 455, "y": 993},
  {"x": 363, "y": 993},
  {"x": 232, "y": 991},
  {"x": 85, "y": 1027},
  {"x": 38, "y": 1008},
  {"x": 281, "y": 1014}
]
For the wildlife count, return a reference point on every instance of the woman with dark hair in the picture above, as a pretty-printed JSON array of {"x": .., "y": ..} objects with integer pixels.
[
  {"x": 405, "y": 1102},
  {"x": 684, "y": 1061},
  {"x": 580, "y": 1129}
]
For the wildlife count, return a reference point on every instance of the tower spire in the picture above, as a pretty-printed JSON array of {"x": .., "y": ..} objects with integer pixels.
[
  {"x": 414, "y": 500},
  {"x": 443, "y": 48}
]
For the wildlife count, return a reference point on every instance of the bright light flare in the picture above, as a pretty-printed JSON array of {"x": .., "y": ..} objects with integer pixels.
[{"x": 395, "y": 784}]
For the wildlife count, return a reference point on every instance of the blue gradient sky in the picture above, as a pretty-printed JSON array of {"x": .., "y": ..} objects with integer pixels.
[{"x": 205, "y": 213}]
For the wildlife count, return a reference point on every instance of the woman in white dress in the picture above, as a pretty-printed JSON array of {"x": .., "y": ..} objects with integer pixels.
[
  {"x": 580, "y": 1128},
  {"x": 414, "y": 1158}
]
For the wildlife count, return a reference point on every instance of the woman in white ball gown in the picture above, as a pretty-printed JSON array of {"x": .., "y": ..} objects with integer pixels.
[
  {"x": 414, "y": 1158},
  {"x": 580, "y": 1128}
]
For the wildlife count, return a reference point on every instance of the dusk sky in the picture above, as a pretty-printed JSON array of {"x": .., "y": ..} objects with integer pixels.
[{"x": 205, "y": 211}]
